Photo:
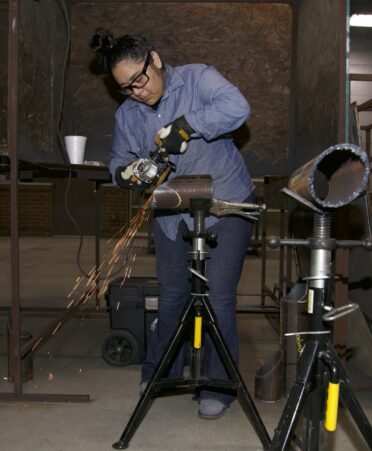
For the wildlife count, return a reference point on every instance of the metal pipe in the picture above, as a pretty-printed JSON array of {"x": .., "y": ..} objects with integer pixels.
[
  {"x": 320, "y": 268},
  {"x": 12, "y": 129},
  {"x": 177, "y": 193},
  {"x": 35, "y": 397},
  {"x": 97, "y": 234},
  {"x": 333, "y": 179}
]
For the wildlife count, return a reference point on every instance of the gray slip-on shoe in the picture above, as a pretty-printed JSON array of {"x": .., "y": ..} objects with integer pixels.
[
  {"x": 143, "y": 386},
  {"x": 211, "y": 409}
]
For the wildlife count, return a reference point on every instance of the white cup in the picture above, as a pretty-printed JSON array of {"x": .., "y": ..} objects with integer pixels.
[{"x": 75, "y": 146}]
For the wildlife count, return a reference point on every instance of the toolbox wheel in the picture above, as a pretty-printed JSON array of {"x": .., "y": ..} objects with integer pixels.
[{"x": 120, "y": 348}]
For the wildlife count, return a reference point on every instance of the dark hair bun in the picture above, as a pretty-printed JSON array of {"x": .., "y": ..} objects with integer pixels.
[{"x": 102, "y": 41}]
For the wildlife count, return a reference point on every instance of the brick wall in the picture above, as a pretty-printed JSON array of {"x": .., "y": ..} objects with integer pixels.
[
  {"x": 116, "y": 206},
  {"x": 35, "y": 209},
  {"x": 114, "y": 210}
]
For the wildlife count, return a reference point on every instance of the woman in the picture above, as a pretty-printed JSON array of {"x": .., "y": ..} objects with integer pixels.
[{"x": 191, "y": 111}]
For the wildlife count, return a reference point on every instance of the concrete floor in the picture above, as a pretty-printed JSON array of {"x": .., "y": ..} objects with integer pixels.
[{"x": 71, "y": 363}]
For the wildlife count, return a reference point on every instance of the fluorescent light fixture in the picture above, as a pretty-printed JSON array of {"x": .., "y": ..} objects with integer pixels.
[{"x": 361, "y": 20}]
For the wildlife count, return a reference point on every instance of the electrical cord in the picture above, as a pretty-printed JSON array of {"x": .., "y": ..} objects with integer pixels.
[
  {"x": 62, "y": 148},
  {"x": 61, "y": 144}
]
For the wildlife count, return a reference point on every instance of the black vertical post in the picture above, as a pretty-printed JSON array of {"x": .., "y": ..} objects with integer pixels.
[
  {"x": 97, "y": 239},
  {"x": 198, "y": 209},
  {"x": 263, "y": 242},
  {"x": 314, "y": 410},
  {"x": 12, "y": 128},
  {"x": 198, "y": 262},
  {"x": 320, "y": 276}
]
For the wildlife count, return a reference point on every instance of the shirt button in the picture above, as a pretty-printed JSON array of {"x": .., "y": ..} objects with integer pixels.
[{"x": 159, "y": 115}]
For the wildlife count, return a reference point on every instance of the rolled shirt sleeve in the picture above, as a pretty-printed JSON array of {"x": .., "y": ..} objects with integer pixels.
[{"x": 223, "y": 108}]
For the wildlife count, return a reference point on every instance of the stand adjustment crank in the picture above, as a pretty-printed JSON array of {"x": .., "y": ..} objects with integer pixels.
[{"x": 335, "y": 313}]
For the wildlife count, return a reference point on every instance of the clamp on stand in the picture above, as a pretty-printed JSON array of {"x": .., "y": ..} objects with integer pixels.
[
  {"x": 197, "y": 314},
  {"x": 320, "y": 371},
  {"x": 333, "y": 179}
]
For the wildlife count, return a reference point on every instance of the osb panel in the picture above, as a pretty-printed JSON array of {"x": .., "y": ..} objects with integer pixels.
[
  {"x": 41, "y": 36},
  {"x": 3, "y": 77},
  {"x": 249, "y": 43},
  {"x": 318, "y": 85},
  {"x": 41, "y": 54}
]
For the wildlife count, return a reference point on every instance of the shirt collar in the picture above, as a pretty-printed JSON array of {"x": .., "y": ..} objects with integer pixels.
[{"x": 172, "y": 81}]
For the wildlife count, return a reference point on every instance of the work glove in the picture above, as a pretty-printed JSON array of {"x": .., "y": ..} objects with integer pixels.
[
  {"x": 125, "y": 177},
  {"x": 173, "y": 138}
]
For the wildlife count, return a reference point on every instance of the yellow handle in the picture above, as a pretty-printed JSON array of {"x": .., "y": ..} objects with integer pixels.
[
  {"x": 332, "y": 407},
  {"x": 198, "y": 332}
]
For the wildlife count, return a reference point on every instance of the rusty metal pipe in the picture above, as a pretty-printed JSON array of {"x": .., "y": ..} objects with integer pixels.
[
  {"x": 12, "y": 128},
  {"x": 178, "y": 192},
  {"x": 334, "y": 178}
]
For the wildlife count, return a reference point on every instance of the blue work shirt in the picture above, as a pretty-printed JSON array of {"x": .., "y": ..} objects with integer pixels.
[{"x": 213, "y": 107}]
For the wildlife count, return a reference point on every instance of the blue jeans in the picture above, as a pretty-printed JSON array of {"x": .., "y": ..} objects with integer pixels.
[{"x": 223, "y": 268}]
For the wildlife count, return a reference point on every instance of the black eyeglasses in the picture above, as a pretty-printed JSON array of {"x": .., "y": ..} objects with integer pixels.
[{"x": 140, "y": 81}]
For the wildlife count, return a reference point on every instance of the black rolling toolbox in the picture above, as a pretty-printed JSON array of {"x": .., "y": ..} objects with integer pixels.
[{"x": 133, "y": 308}]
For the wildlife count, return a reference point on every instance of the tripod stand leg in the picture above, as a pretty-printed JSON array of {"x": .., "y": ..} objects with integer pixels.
[
  {"x": 284, "y": 431},
  {"x": 146, "y": 397},
  {"x": 244, "y": 397},
  {"x": 350, "y": 401},
  {"x": 313, "y": 423}
]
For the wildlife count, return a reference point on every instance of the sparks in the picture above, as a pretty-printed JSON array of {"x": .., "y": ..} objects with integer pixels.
[
  {"x": 123, "y": 253},
  {"x": 38, "y": 341},
  {"x": 57, "y": 327}
]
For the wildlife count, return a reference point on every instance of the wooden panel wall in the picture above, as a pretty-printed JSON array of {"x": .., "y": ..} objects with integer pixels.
[
  {"x": 250, "y": 43},
  {"x": 318, "y": 88},
  {"x": 41, "y": 51},
  {"x": 3, "y": 77}
]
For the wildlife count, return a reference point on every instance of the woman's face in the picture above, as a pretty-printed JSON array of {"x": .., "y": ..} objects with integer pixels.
[{"x": 147, "y": 77}]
